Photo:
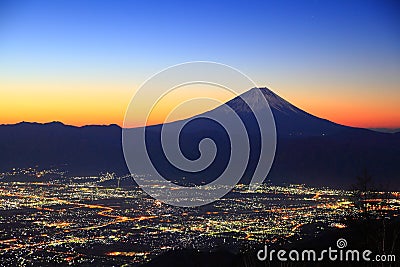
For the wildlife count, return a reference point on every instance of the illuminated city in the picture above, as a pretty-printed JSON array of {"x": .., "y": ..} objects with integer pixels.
[
  {"x": 77, "y": 220},
  {"x": 199, "y": 133}
]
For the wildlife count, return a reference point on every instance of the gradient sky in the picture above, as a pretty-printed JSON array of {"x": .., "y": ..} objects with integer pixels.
[{"x": 80, "y": 62}]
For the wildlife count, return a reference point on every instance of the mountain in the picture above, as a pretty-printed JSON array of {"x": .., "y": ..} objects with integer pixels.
[
  {"x": 80, "y": 150},
  {"x": 290, "y": 121},
  {"x": 386, "y": 130},
  {"x": 309, "y": 149}
]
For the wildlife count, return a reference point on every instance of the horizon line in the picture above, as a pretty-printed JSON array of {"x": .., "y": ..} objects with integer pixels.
[{"x": 376, "y": 129}]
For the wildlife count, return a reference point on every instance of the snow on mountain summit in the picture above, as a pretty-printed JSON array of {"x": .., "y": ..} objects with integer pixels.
[{"x": 253, "y": 99}]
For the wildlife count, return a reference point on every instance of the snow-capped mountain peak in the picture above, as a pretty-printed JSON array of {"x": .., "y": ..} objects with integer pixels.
[{"x": 252, "y": 97}]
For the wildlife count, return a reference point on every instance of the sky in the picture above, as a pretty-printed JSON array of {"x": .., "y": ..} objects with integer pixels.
[{"x": 80, "y": 62}]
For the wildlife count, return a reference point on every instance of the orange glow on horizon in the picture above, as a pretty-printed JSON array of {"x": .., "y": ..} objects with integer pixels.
[
  {"x": 187, "y": 101},
  {"x": 79, "y": 104},
  {"x": 354, "y": 114}
]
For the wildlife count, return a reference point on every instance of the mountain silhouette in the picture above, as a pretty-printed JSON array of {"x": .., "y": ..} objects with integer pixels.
[
  {"x": 310, "y": 149},
  {"x": 290, "y": 120}
]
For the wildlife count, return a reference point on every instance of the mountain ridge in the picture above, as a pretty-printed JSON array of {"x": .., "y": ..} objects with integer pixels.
[
  {"x": 275, "y": 102},
  {"x": 309, "y": 150}
]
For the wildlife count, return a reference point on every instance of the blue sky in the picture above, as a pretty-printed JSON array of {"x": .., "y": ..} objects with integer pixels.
[{"x": 297, "y": 48}]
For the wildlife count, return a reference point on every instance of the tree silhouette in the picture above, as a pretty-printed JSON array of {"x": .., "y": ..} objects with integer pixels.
[{"x": 363, "y": 190}]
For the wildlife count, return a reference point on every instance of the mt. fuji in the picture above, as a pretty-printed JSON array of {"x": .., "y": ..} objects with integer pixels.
[
  {"x": 309, "y": 149},
  {"x": 290, "y": 121}
]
